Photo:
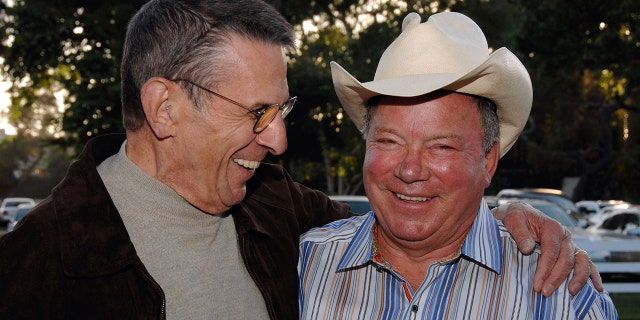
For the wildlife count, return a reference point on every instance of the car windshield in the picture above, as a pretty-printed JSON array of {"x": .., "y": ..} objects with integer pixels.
[
  {"x": 22, "y": 212},
  {"x": 620, "y": 221},
  {"x": 558, "y": 199},
  {"x": 556, "y": 213},
  {"x": 15, "y": 203}
]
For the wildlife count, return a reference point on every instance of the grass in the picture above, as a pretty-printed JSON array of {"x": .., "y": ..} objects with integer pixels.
[{"x": 627, "y": 304}]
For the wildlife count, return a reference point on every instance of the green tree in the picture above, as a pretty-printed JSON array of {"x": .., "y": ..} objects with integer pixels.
[
  {"x": 28, "y": 167},
  {"x": 326, "y": 149},
  {"x": 584, "y": 62},
  {"x": 70, "y": 45}
]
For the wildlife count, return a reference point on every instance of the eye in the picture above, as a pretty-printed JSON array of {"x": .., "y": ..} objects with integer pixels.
[
  {"x": 260, "y": 111},
  {"x": 442, "y": 149},
  {"x": 385, "y": 141}
]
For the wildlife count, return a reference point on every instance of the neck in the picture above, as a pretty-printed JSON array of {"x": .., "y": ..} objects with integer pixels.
[
  {"x": 413, "y": 260},
  {"x": 150, "y": 154}
]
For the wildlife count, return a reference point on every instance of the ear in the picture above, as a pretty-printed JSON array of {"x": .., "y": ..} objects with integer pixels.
[
  {"x": 491, "y": 162},
  {"x": 154, "y": 95}
]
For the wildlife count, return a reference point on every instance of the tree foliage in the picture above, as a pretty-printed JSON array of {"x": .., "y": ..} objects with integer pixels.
[
  {"x": 28, "y": 167},
  {"x": 70, "y": 45},
  {"x": 585, "y": 69},
  {"x": 582, "y": 56}
]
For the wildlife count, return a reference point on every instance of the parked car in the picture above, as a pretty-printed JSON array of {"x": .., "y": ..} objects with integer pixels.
[
  {"x": 606, "y": 211},
  {"x": 550, "y": 209},
  {"x": 552, "y": 195},
  {"x": 358, "y": 204},
  {"x": 23, "y": 209},
  {"x": 9, "y": 207},
  {"x": 600, "y": 248},
  {"x": 588, "y": 207},
  {"x": 619, "y": 222},
  {"x": 607, "y": 247}
]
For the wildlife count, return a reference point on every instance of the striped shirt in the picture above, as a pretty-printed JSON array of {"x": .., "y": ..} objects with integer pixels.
[{"x": 489, "y": 279}]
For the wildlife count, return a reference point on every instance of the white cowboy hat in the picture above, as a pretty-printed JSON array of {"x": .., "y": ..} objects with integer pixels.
[{"x": 448, "y": 52}]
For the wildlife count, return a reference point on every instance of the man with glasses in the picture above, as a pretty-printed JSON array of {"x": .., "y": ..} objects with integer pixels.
[
  {"x": 181, "y": 220},
  {"x": 264, "y": 115}
]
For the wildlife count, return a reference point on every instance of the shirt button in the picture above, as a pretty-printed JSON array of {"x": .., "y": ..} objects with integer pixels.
[{"x": 414, "y": 308}]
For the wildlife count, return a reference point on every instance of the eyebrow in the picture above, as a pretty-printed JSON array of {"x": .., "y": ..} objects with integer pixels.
[{"x": 437, "y": 136}]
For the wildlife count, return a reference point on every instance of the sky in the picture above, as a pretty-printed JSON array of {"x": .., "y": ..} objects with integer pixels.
[{"x": 4, "y": 104}]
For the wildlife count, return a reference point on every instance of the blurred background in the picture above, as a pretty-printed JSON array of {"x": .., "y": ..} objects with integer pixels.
[
  {"x": 59, "y": 87},
  {"x": 60, "y": 70}
]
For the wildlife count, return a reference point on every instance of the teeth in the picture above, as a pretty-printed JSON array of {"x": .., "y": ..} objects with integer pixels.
[
  {"x": 247, "y": 163},
  {"x": 403, "y": 197}
]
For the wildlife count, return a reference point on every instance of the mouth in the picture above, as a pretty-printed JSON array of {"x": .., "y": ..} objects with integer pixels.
[
  {"x": 414, "y": 199},
  {"x": 248, "y": 164}
]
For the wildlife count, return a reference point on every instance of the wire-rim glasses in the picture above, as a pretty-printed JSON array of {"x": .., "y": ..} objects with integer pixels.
[{"x": 264, "y": 115}]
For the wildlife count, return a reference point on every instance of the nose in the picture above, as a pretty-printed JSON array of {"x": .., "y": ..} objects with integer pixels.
[
  {"x": 274, "y": 136},
  {"x": 412, "y": 167}
]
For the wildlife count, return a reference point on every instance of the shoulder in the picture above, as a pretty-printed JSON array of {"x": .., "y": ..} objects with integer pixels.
[
  {"x": 510, "y": 245},
  {"x": 339, "y": 230},
  {"x": 39, "y": 222},
  {"x": 33, "y": 241},
  {"x": 272, "y": 191},
  {"x": 341, "y": 244}
]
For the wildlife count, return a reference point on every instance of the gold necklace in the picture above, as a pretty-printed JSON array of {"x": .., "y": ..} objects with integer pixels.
[
  {"x": 379, "y": 258},
  {"x": 377, "y": 255}
]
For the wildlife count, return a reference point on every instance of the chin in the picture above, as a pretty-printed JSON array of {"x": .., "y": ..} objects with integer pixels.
[
  {"x": 238, "y": 194},
  {"x": 413, "y": 231}
]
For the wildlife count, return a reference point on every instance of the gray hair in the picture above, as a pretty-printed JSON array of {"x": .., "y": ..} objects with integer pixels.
[
  {"x": 187, "y": 39},
  {"x": 486, "y": 107}
]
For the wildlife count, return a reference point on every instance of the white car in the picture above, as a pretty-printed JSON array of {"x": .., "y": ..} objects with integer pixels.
[
  {"x": 23, "y": 209},
  {"x": 9, "y": 207},
  {"x": 606, "y": 211},
  {"x": 618, "y": 222},
  {"x": 592, "y": 207}
]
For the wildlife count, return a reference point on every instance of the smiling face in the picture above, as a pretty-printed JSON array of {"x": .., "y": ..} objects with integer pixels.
[
  {"x": 214, "y": 152},
  {"x": 425, "y": 169}
]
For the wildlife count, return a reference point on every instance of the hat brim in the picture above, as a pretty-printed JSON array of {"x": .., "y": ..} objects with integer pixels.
[{"x": 501, "y": 78}]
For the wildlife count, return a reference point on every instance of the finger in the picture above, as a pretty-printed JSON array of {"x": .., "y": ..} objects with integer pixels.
[
  {"x": 561, "y": 267},
  {"x": 594, "y": 274},
  {"x": 550, "y": 235},
  {"x": 595, "y": 277},
  {"x": 519, "y": 218},
  {"x": 581, "y": 271},
  {"x": 500, "y": 212}
]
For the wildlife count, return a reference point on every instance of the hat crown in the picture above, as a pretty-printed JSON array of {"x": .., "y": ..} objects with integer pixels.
[
  {"x": 448, "y": 52},
  {"x": 449, "y": 42}
]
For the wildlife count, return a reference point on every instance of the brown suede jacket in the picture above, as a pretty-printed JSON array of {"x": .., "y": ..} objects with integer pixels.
[{"x": 71, "y": 257}]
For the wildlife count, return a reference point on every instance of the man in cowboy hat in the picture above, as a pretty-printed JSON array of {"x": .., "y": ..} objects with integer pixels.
[{"x": 436, "y": 119}]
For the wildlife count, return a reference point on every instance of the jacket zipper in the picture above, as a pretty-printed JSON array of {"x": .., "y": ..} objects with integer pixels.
[{"x": 156, "y": 286}]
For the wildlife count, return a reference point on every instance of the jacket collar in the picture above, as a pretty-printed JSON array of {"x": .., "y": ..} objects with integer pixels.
[
  {"x": 93, "y": 238},
  {"x": 264, "y": 196}
]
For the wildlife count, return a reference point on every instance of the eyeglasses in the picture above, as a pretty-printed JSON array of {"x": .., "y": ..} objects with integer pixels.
[{"x": 264, "y": 115}]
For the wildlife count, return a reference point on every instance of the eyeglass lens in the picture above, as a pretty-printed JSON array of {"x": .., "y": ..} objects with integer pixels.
[{"x": 270, "y": 113}]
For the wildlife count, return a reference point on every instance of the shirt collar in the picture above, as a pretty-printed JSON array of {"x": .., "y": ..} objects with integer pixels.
[{"x": 482, "y": 244}]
